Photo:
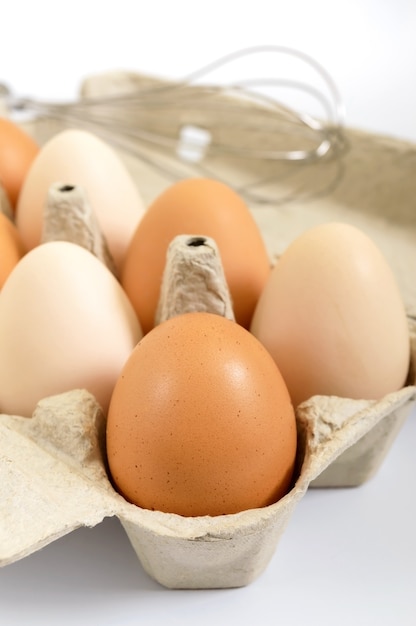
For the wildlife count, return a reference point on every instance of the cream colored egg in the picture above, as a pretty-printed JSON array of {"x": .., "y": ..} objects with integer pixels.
[
  {"x": 65, "y": 323},
  {"x": 332, "y": 317},
  {"x": 78, "y": 157}
]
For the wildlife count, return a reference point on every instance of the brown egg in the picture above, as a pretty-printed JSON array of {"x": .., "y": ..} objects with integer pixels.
[
  {"x": 200, "y": 420},
  {"x": 204, "y": 207},
  {"x": 11, "y": 247},
  {"x": 17, "y": 152}
]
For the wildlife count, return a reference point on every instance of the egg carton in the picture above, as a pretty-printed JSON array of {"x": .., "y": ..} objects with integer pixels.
[
  {"x": 54, "y": 479},
  {"x": 53, "y": 471}
]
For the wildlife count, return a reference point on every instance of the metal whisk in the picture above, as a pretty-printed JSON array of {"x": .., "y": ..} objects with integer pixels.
[{"x": 182, "y": 128}]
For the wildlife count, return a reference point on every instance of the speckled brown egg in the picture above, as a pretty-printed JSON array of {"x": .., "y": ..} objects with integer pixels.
[
  {"x": 17, "y": 153},
  {"x": 11, "y": 247},
  {"x": 200, "y": 421},
  {"x": 197, "y": 206}
]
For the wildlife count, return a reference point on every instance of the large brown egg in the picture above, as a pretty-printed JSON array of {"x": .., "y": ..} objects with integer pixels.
[
  {"x": 200, "y": 420},
  {"x": 205, "y": 207}
]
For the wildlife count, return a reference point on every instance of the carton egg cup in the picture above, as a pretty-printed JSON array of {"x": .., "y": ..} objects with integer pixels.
[
  {"x": 53, "y": 471},
  {"x": 54, "y": 479}
]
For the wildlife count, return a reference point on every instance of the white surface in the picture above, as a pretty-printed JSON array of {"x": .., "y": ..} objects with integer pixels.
[{"x": 348, "y": 556}]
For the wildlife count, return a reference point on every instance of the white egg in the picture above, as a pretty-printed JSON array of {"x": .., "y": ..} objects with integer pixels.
[
  {"x": 65, "y": 323},
  {"x": 78, "y": 157}
]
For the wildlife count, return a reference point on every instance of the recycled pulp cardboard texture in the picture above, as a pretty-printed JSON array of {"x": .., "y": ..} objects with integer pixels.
[
  {"x": 53, "y": 475},
  {"x": 54, "y": 479}
]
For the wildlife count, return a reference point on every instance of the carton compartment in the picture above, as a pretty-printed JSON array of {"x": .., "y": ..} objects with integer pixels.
[{"x": 54, "y": 480}]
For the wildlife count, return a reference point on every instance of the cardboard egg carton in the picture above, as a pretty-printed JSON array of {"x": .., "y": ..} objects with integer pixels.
[
  {"x": 53, "y": 471},
  {"x": 54, "y": 479}
]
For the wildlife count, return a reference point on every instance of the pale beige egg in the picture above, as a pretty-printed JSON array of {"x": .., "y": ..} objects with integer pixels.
[
  {"x": 65, "y": 323},
  {"x": 332, "y": 317},
  {"x": 78, "y": 157}
]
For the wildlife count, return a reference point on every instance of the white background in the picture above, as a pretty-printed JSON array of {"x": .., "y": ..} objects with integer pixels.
[
  {"x": 368, "y": 46},
  {"x": 348, "y": 556}
]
